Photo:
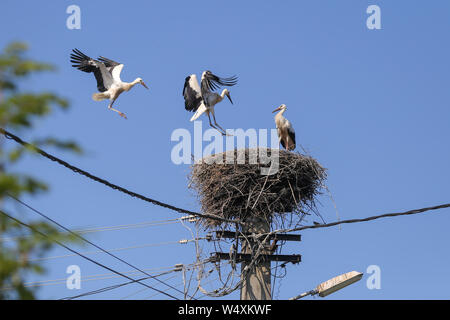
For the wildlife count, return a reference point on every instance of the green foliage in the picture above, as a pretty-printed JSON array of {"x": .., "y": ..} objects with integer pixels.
[
  {"x": 13, "y": 65},
  {"x": 19, "y": 245},
  {"x": 18, "y": 109}
]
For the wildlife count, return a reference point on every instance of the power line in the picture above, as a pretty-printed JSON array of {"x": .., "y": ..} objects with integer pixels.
[
  {"x": 95, "y": 277},
  {"x": 173, "y": 269},
  {"x": 143, "y": 289},
  {"x": 187, "y": 267},
  {"x": 386, "y": 215},
  {"x": 84, "y": 239},
  {"x": 11, "y": 136},
  {"x": 97, "y": 291},
  {"x": 147, "y": 298},
  {"x": 113, "y": 228},
  {"x": 183, "y": 241},
  {"x": 128, "y": 226},
  {"x": 178, "y": 285},
  {"x": 85, "y": 257}
]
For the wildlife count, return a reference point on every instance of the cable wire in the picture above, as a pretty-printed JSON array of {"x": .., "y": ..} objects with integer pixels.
[
  {"x": 173, "y": 269},
  {"x": 113, "y": 287},
  {"x": 104, "y": 276},
  {"x": 86, "y": 240},
  {"x": 11, "y": 136},
  {"x": 85, "y": 257},
  {"x": 112, "y": 228},
  {"x": 386, "y": 215},
  {"x": 183, "y": 241},
  {"x": 144, "y": 289}
]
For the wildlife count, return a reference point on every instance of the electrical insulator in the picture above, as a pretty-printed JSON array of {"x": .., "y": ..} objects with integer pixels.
[{"x": 178, "y": 267}]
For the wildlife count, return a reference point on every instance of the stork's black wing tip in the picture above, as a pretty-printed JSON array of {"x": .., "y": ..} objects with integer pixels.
[{"x": 78, "y": 54}]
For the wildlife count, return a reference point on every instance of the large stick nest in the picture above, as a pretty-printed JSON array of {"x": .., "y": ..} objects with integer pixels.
[{"x": 239, "y": 191}]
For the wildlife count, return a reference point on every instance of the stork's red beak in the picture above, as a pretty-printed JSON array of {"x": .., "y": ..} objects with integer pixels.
[
  {"x": 145, "y": 86},
  {"x": 229, "y": 98},
  {"x": 277, "y": 109}
]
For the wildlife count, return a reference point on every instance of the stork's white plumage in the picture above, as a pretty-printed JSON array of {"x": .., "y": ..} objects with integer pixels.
[
  {"x": 286, "y": 133},
  {"x": 201, "y": 99},
  {"x": 107, "y": 73}
]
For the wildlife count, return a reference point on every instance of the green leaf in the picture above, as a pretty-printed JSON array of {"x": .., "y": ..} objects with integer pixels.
[{"x": 20, "y": 110}]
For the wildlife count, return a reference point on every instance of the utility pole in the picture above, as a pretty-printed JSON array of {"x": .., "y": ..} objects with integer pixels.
[{"x": 257, "y": 280}]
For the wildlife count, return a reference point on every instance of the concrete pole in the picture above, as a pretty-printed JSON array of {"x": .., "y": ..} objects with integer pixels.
[{"x": 257, "y": 283}]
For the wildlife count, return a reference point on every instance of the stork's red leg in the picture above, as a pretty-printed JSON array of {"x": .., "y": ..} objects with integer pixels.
[
  {"x": 120, "y": 113},
  {"x": 215, "y": 122},
  {"x": 210, "y": 123}
]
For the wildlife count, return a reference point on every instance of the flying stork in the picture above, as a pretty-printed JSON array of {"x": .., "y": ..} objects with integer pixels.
[
  {"x": 202, "y": 99},
  {"x": 286, "y": 133},
  {"x": 107, "y": 73}
]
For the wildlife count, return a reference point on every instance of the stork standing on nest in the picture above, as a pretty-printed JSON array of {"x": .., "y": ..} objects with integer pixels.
[
  {"x": 286, "y": 133},
  {"x": 107, "y": 73},
  {"x": 203, "y": 99}
]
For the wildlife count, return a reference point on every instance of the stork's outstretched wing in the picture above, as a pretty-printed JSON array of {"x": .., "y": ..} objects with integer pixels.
[
  {"x": 191, "y": 93},
  {"x": 115, "y": 68},
  {"x": 212, "y": 82},
  {"x": 87, "y": 64}
]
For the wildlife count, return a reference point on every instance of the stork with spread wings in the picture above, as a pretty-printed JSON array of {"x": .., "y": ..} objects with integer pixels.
[
  {"x": 107, "y": 73},
  {"x": 203, "y": 99}
]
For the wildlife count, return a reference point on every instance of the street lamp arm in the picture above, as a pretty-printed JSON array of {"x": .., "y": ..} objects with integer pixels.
[{"x": 305, "y": 294}]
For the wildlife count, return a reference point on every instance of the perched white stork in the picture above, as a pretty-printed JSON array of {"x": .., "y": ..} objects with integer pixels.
[
  {"x": 107, "y": 73},
  {"x": 286, "y": 133},
  {"x": 203, "y": 99}
]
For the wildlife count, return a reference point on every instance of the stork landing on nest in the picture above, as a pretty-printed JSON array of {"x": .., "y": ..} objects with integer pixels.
[
  {"x": 107, "y": 73},
  {"x": 203, "y": 99}
]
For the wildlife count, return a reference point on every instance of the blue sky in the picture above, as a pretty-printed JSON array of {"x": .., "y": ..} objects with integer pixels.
[{"x": 372, "y": 106}]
